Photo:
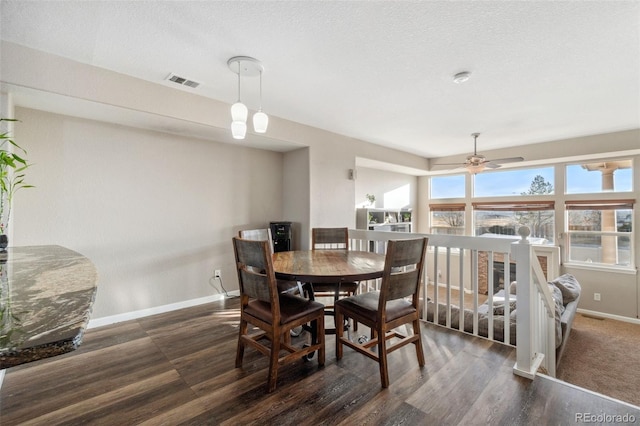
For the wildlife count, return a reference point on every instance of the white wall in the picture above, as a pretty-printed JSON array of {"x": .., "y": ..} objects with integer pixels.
[
  {"x": 384, "y": 185},
  {"x": 154, "y": 212}
]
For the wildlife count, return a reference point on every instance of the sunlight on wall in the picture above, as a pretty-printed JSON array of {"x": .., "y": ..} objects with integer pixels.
[{"x": 398, "y": 198}]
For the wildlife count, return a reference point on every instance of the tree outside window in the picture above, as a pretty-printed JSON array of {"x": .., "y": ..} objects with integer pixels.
[{"x": 541, "y": 222}]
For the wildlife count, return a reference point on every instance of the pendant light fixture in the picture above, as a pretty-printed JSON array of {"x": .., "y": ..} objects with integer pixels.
[
  {"x": 260, "y": 119},
  {"x": 239, "y": 114},
  {"x": 248, "y": 67}
]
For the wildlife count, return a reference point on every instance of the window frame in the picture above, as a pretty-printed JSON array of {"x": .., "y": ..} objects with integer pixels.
[
  {"x": 448, "y": 207},
  {"x": 560, "y": 197},
  {"x": 517, "y": 206},
  {"x": 599, "y": 205}
]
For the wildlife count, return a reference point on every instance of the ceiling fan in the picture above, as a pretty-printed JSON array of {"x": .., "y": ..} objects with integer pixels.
[{"x": 476, "y": 163}]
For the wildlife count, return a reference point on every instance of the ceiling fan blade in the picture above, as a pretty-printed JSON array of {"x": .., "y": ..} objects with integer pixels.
[
  {"x": 507, "y": 160},
  {"x": 491, "y": 165},
  {"x": 450, "y": 164}
]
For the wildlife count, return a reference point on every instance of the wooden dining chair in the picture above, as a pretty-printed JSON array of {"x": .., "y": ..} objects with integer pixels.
[
  {"x": 332, "y": 239},
  {"x": 264, "y": 234},
  {"x": 394, "y": 305},
  {"x": 275, "y": 313}
]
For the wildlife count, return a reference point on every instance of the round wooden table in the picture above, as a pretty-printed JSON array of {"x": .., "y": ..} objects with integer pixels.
[{"x": 328, "y": 266}]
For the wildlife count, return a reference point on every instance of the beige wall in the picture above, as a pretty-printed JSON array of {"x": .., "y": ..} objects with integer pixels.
[
  {"x": 618, "y": 291},
  {"x": 295, "y": 195},
  {"x": 154, "y": 212}
]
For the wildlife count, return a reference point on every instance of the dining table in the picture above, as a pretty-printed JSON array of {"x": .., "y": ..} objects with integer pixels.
[
  {"x": 328, "y": 266},
  {"x": 309, "y": 267}
]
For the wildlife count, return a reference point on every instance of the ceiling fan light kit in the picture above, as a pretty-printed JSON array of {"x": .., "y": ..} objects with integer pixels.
[{"x": 248, "y": 67}]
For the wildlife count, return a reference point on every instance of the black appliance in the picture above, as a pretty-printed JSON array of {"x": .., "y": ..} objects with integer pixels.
[{"x": 282, "y": 235}]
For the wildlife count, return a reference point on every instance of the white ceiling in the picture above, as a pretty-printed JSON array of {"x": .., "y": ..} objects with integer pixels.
[{"x": 380, "y": 71}]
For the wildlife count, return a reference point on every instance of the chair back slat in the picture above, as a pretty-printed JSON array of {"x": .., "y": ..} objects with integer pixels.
[
  {"x": 406, "y": 253},
  {"x": 263, "y": 234},
  {"x": 255, "y": 270},
  {"x": 403, "y": 269},
  {"x": 330, "y": 238},
  {"x": 403, "y": 284}
]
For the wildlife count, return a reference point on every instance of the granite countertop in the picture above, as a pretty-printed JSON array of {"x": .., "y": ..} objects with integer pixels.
[{"x": 46, "y": 296}]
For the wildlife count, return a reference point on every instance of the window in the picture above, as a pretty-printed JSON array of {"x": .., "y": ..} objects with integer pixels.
[
  {"x": 447, "y": 186},
  {"x": 514, "y": 182},
  {"x": 600, "y": 232},
  {"x": 609, "y": 176},
  {"x": 447, "y": 219},
  {"x": 505, "y": 218}
]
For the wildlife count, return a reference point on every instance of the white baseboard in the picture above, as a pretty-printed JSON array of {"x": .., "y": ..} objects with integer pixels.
[
  {"x": 101, "y": 322},
  {"x": 609, "y": 316}
]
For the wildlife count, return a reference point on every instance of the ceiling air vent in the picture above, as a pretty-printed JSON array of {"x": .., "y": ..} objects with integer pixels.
[{"x": 182, "y": 81}]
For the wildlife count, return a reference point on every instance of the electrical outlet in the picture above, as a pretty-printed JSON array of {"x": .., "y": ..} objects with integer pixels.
[
  {"x": 217, "y": 273},
  {"x": 596, "y": 297}
]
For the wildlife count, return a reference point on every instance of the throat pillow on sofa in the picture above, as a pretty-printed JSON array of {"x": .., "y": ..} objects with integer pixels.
[{"x": 569, "y": 286}]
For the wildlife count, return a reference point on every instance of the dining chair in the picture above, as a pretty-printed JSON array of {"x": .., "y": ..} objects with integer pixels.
[
  {"x": 264, "y": 234},
  {"x": 274, "y": 313},
  {"x": 395, "y": 304},
  {"x": 332, "y": 239}
]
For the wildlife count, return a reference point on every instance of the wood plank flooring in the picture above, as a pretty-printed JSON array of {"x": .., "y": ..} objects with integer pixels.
[{"x": 178, "y": 369}]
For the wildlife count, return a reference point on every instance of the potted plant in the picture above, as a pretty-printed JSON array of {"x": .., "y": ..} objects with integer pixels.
[
  {"x": 12, "y": 172},
  {"x": 371, "y": 198}
]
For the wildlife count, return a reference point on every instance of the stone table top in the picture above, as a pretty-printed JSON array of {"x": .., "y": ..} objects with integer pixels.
[{"x": 46, "y": 296}]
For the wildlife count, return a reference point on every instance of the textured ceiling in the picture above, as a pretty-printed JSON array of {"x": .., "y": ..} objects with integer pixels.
[{"x": 380, "y": 71}]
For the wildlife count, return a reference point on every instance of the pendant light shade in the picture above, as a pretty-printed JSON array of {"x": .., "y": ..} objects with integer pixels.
[
  {"x": 260, "y": 122},
  {"x": 239, "y": 112},
  {"x": 238, "y": 129}
]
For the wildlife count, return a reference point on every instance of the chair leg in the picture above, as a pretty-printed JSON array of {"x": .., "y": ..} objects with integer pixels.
[
  {"x": 240, "y": 349},
  {"x": 273, "y": 360},
  {"x": 339, "y": 318},
  {"x": 418, "y": 343},
  {"x": 382, "y": 358},
  {"x": 321, "y": 340},
  {"x": 355, "y": 323}
]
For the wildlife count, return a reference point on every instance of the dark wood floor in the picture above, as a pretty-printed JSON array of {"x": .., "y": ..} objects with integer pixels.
[{"x": 178, "y": 368}]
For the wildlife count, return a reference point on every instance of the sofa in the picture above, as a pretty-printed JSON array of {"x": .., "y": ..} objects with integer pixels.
[{"x": 566, "y": 294}]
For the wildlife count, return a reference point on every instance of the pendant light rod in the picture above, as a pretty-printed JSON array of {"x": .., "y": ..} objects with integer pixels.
[
  {"x": 239, "y": 65},
  {"x": 260, "y": 107}
]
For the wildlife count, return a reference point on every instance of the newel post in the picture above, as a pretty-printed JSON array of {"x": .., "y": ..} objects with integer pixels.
[{"x": 525, "y": 356}]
